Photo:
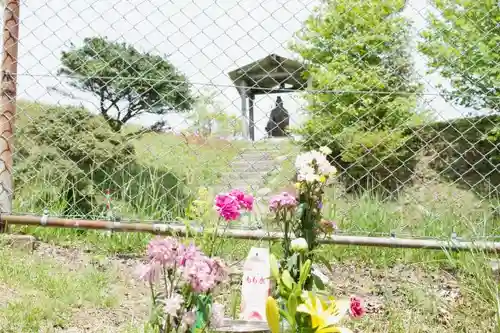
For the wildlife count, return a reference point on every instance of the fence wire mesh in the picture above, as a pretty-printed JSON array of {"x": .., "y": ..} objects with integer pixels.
[{"x": 129, "y": 110}]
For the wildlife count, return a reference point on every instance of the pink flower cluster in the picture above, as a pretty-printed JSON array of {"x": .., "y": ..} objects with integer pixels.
[
  {"x": 282, "y": 201},
  {"x": 199, "y": 271},
  {"x": 229, "y": 205}
]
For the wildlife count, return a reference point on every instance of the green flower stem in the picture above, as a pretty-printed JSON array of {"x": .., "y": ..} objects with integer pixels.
[
  {"x": 213, "y": 238},
  {"x": 153, "y": 296},
  {"x": 286, "y": 243},
  {"x": 221, "y": 244}
]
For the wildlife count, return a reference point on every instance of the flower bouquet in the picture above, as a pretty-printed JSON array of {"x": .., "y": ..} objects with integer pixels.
[
  {"x": 182, "y": 280},
  {"x": 300, "y": 299}
]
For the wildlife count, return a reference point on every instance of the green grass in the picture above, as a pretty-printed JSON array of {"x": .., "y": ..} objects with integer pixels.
[{"x": 38, "y": 295}]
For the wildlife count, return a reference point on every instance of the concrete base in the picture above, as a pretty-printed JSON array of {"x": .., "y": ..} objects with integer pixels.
[
  {"x": 19, "y": 242},
  {"x": 243, "y": 326}
]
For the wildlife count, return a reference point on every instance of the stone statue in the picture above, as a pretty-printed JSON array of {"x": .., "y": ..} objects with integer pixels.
[{"x": 278, "y": 120}]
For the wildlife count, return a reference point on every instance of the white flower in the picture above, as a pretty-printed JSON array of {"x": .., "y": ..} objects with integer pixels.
[
  {"x": 306, "y": 162},
  {"x": 317, "y": 156},
  {"x": 173, "y": 305},
  {"x": 217, "y": 315},
  {"x": 305, "y": 172},
  {"x": 303, "y": 160},
  {"x": 325, "y": 150},
  {"x": 327, "y": 169},
  {"x": 311, "y": 178},
  {"x": 298, "y": 245}
]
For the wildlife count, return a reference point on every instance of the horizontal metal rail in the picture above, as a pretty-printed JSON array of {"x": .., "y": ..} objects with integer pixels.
[{"x": 179, "y": 230}]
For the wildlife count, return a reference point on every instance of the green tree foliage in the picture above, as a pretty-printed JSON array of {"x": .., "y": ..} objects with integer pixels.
[
  {"x": 230, "y": 124},
  {"x": 364, "y": 88},
  {"x": 462, "y": 44},
  {"x": 208, "y": 117},
  {"x": 127, "y": 83}
]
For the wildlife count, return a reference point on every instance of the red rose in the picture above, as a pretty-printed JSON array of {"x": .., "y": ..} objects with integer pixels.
[{"x": 356, "y": 309}]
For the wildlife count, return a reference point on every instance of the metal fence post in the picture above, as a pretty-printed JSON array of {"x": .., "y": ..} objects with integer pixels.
[{"x": 8, "y": 100}]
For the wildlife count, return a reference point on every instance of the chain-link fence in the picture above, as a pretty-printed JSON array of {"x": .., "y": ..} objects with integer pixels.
[{"x": 128, "y": 110}]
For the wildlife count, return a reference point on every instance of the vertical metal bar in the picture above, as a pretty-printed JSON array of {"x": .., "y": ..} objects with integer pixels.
[
  {"x": 8, "y": 101},
  {"x": 251, "y": 102},
  {"x": 242, "y": 88}
]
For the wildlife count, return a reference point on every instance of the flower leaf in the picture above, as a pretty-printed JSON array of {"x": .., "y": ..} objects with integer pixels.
[
  {"x": 304, "y": 272},
  {"x": 287, "y": 279},
  {"x": 274, "y": 267},
  {"x": 292, "y": 261},
  {"x": 292, "y": 305},
  {"x": 325, "y": 262},
  {"x": 318, "y": 282}
]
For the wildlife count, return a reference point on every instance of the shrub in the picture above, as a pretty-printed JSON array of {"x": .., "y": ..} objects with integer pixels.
[
  {"x": 464, "y": 151},
  {"x": 67, "y": 158}
]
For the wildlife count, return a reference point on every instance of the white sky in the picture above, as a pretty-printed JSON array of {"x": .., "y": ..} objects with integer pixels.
[{"x": 205, "y": 39}]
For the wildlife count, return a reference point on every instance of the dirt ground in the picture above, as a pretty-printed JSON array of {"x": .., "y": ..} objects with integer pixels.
[{"x": 404, "y": 294}]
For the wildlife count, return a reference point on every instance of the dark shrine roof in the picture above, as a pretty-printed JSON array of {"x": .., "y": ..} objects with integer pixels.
[{"x": 268, "y": 74}]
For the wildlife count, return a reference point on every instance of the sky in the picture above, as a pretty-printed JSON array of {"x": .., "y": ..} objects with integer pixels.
[{"x": 205, "y": 39}]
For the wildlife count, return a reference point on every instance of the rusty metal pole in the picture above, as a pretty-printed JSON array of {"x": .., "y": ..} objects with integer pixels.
[{"x": 8, "y": 102}]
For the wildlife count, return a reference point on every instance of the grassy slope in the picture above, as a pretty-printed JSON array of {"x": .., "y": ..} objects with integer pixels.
[{"x": 193, "y": 163}]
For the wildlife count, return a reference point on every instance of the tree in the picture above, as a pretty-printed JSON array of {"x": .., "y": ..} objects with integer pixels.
[
  {"x": 127, "y": 83},
  {"x": 462, "y": 44},
  {"x": 204, "y": 115},
  {"x": 231, "y": 125},
  {"x": 208, "y": 117},
  {"x": 364, "y": 89}
]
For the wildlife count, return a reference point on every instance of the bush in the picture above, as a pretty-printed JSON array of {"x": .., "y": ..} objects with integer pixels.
[
  {"x": 464, "y": 151},
  {"x": 67, "y": 158}
]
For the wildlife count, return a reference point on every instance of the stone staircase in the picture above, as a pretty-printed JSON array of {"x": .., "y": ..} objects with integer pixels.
[{"x": 248, "y": 172}]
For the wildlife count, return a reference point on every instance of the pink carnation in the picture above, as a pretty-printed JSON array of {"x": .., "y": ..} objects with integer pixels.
[
  {"x": 163, "y": 251},
  {"x": 149, "y": 273},
  {"x": 204, "y": 274},
  {"x": 244, "y": 200},
  {"x": 356, "y": 309},
  {"x": 189, "y": 318},
  {"x": 283, "y": 200},
  {"x": 227, "y": 206}
]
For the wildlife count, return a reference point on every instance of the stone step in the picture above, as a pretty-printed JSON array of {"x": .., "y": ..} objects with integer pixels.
[
  {"x": 248, "y": 178},
  {"x": 243, "y": 167},
  {"x": 270, "y": 148},
  {"x": 254, "y": 157},
  {"x": 264, "y": 161},
  {"x": 240, "y": 186}
]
